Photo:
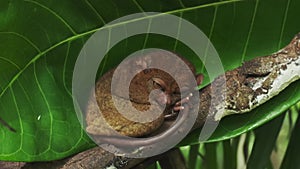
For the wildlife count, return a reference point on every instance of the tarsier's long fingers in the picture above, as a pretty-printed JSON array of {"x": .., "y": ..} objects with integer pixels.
[
  {"x": 184, "y": 100},
  {"x": 178, "y": 106}
]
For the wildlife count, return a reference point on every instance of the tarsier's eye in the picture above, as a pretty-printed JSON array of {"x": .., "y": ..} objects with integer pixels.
[{"x": 159, "y": 84}]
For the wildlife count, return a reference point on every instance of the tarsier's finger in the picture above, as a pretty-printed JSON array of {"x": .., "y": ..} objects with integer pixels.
[
  {"x": 178, "y": 108},
  {"x": 180, "y": 105},
  {"x": 175, "y": 112},
  {"x": 171, "y": 116},
  {"x": 184, "y": 100}
]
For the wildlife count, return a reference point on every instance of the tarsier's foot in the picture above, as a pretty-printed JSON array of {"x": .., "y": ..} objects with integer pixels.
[{"x": 178, "y": 106}]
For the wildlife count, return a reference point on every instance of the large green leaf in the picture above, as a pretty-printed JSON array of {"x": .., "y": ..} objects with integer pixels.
[{"x": 40, "y": 41}]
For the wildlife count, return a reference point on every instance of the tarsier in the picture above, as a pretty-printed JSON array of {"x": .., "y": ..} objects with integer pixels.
[
  {"x": 143, "y": 83},
  {"x": 246, "y": 87}
]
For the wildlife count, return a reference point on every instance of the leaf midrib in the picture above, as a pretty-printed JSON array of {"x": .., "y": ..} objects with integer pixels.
[{"x": 35, "y": 58}]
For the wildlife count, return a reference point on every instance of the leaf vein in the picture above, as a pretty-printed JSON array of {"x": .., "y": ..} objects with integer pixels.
[
  {"x": 24, "y": 38},
  {"x": 178, "y": 32},
  {"x": 47, "y": 105},
  {"x": 147, "y": 35},
  {"x": 11, "y": 62},
  {"x": 138, "y": 6},
  {"x": 250, "y": 30},
  {"x": 181, "y": 3},
  {"x": 283, "y": 23},
  {"x": 203, "y": 6},
  {"x": 19, "y": 118},
  {"x": 209, "y": 37},
  {"x": 53, "y": 13},
  {"x": 64, "y": 70},
  {"x": 49, "y": 71},
  {"x": 26, "y": 94},
  {"x": 95, "y": 11}
]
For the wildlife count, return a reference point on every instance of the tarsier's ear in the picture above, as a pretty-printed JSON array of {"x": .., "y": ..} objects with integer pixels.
[{"x": 199, "y": 79}]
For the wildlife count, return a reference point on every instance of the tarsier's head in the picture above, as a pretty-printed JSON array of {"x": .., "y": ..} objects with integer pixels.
[
  {"x": 150, "y": 82},
  {"x": 158, "y": 85}
]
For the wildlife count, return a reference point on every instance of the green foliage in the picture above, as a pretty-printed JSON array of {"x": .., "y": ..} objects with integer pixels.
[
  {"x": 291, "y": 159},
  {"x": 272, "y": 145},
  {"x": 40, "y": 41}
]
